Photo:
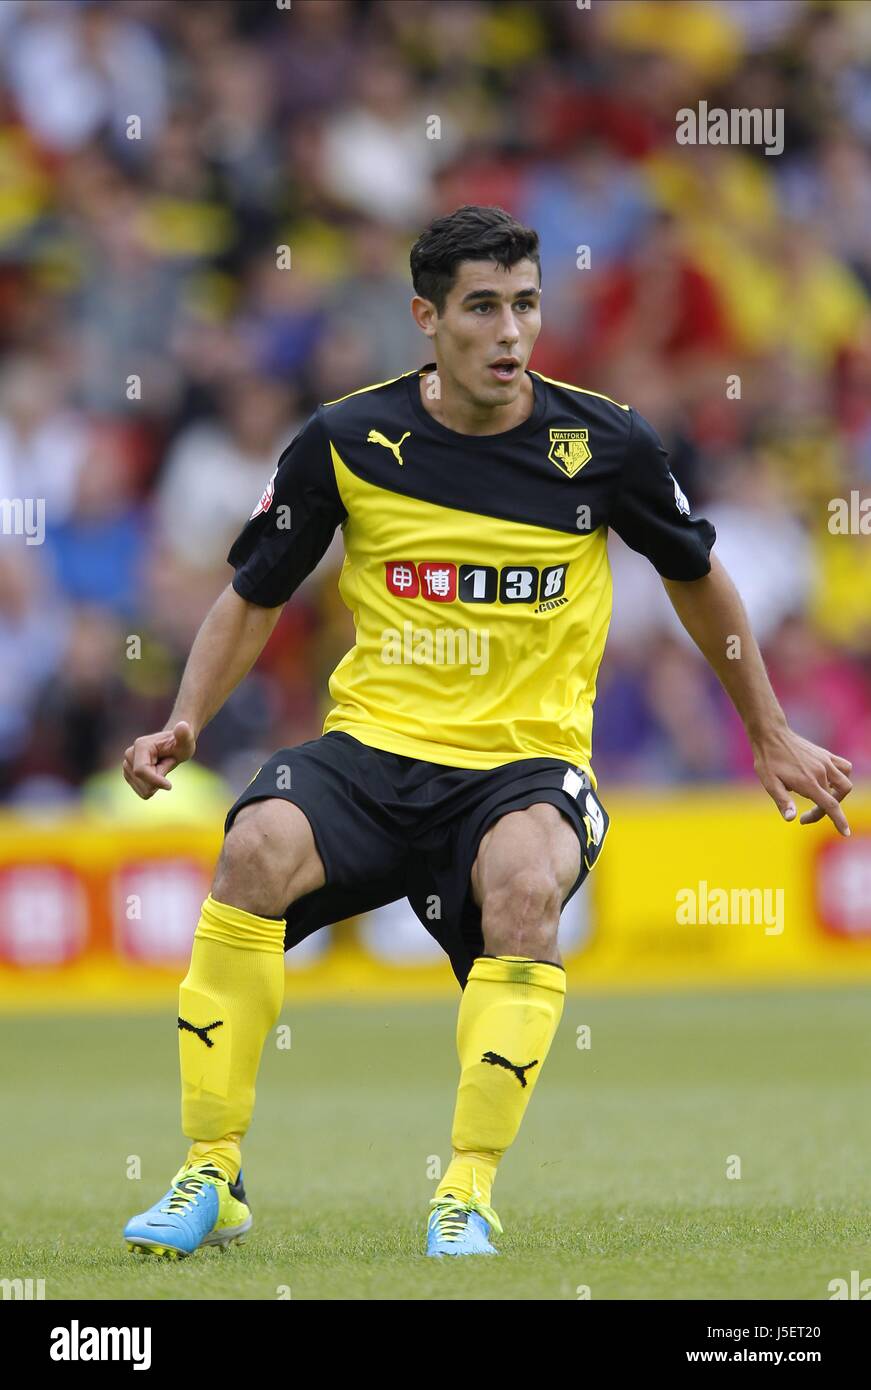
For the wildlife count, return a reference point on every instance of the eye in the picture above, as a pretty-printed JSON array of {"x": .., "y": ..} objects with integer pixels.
[{"x": 476, "y": 307}]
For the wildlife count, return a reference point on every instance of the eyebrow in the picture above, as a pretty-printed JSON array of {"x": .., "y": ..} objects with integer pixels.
[{"x": 493, "y": 294}]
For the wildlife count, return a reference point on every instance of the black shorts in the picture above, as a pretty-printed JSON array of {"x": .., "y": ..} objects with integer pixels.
[{"x": 390, "y": 827}]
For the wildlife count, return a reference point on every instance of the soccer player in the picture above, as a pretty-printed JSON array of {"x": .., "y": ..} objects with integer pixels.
[{"x": 474, "y": 497}]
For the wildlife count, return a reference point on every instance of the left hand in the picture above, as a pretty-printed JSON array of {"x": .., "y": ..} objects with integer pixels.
[{"x": 785, "y": 763}]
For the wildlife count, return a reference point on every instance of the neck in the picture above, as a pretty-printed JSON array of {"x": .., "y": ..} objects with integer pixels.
[{"x": 445, "y": 402}]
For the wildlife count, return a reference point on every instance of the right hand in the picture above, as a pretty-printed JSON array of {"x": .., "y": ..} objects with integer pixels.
[{"x": 151, "y": 757}]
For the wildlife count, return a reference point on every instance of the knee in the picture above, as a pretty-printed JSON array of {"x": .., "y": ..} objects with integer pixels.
[
  {"x": 525, "y": 894},
  {"x": 247, "y": 875},
  {"x": 520, "y": 915}
]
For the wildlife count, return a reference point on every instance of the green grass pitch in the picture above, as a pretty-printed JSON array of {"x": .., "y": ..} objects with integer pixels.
[{"x": 617, "y": 1181}]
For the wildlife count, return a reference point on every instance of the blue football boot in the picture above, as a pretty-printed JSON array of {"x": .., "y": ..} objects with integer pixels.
[
  {"x": 202, "y": 1207},
  {"x": 461, "y": 1228}
]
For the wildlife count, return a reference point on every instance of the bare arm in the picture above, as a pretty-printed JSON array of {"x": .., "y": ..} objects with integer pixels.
[
  {"x": 227, "y": 645},
  {"x": 714, "y": 616}
]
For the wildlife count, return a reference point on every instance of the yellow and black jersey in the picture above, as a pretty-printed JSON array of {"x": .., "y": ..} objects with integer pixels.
[{"x": 476, "y": 566}]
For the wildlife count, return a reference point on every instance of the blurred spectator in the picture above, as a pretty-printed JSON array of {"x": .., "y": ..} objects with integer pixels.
[
  {"x": 98, "y": 552},
  {"x": 762, "y": 545},
  {"x": 373, "y": 300},
  {"x": 217, "y": 469},
  {"x": 377, "y": 155},
  {"x": 832, "y": 189},
  {"x": 124, "y": 308},
  {"x": 659, "y": 301},
  {"x": 32, "y": 638},
  {"x": 75, "y": 69},
  {"x": 315, "y": 58},
  {"x": 588, "y": 198},
  {"x": 76, "y": 708},
  {"x": 43, "y": 444}
]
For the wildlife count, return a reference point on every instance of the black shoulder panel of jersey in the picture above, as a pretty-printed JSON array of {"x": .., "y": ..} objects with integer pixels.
[
  {"x": 652, "y": 515},
  {"x": 569, "y": 453},
  {"x": 294, "y": 522},
  {"x": 579, "y": 462}
]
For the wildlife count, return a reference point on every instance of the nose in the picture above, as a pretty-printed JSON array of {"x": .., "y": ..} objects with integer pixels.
[{"x": 509, "y": 333}]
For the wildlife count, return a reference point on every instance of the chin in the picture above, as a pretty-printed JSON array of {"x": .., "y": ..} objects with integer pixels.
[
  {"x": 498, "y": 395},
  {"x": 503, "y": 390}
]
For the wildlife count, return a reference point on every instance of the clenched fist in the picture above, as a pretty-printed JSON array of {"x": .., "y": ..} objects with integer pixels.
[{"x": 151, "y": 757}]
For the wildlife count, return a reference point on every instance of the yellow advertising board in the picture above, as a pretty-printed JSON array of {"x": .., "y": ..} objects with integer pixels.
[{"x": 692, "y": 889}]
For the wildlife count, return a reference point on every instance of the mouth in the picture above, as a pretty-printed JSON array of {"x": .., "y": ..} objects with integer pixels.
[{"x": 505, "y": 368}]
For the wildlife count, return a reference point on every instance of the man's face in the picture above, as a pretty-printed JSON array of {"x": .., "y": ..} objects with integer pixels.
[{"x": 490, "y": 313}]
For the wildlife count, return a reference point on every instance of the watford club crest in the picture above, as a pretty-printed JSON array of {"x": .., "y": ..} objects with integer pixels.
[{"x": 569, "y": 450}]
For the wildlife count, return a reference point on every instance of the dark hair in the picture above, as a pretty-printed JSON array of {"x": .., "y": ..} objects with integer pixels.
[{"x": 468, "y": 234}]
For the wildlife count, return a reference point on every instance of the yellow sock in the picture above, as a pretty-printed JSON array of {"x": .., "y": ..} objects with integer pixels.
[
  {"x": 224, "y": 1154},
  {"x": 227, "y": 1003},
  {"x": 509, "y": 1013}
]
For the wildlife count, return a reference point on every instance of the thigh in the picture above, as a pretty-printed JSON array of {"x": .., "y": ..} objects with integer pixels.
[
  {"x": 269, "y": 857},
  {"x": 441, "y": 891},
  {"x": 537, "y": 812},
  {"x": 337, "y": 786},
  {"x": 539, "y": 840}
]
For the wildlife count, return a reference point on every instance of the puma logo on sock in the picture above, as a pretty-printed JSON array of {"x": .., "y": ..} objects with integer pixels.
[
  {"x": 494, "y": 1060},
  {"x": 202, "y": 1032}
]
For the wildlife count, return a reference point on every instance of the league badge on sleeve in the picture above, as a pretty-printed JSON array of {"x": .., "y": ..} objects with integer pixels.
[
  {"x": 266, "y": 500},
  {"x": 680, "y": 500}
]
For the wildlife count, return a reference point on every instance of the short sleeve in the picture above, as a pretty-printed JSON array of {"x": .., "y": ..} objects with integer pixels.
[
  {"x": 293, "y": 523},
  {"x": 652, "y": 515}
]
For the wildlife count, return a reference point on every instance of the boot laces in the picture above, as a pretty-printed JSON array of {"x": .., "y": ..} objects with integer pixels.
[
  {"x": 453, "y": 1216},
  {"x": 186, "y": 1189}
]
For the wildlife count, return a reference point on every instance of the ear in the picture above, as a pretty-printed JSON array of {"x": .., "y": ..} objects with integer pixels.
[{"x": 425, "y": 315}]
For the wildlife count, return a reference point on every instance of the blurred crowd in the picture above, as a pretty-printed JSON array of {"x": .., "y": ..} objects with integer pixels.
[{"x": 155, "y": 357}]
